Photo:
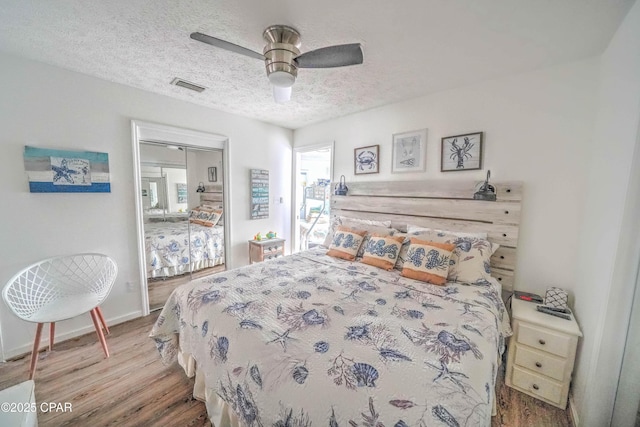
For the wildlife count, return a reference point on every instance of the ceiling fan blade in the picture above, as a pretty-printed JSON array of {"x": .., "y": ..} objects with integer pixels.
[
  {"x": 331, "y": 56},
  {"x": 222, "y": 44}
]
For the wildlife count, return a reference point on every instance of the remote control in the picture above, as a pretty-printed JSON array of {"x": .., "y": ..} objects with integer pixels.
[
  {"x": 559, "y": 310},
  {"x": 553, "y": 313}
]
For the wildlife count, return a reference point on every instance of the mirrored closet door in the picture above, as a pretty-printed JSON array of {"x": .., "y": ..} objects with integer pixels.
[{"x": 181, "y": 197}]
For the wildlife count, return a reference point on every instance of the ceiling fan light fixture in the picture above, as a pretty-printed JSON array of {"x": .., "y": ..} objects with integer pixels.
[
  {"x": 282, "y": 79},
  {"x": 282, "y": 94}
]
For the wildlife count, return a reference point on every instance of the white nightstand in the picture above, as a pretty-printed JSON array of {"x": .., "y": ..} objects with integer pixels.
[{"x": 542, "y": 352}]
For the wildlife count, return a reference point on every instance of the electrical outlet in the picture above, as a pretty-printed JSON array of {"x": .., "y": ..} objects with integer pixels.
[{"x": 130, "y": 287}]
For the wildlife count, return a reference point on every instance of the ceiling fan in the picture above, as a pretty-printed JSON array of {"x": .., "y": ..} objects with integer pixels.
[{"x": 282, "y": 57}]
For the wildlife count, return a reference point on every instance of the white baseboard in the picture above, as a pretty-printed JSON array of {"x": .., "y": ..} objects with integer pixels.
[
  {"x": 573, "y": 412},
  {"x": 26, "y": 349}
]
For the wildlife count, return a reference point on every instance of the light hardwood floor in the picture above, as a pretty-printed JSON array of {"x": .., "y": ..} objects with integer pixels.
[{"x": 134, "y": 388}]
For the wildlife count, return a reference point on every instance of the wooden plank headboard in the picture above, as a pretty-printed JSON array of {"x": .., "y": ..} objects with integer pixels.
[{"x": 446, "y": 205}]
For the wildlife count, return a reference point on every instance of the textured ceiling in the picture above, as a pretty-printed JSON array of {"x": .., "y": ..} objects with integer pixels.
[{"x": 411, "y": 47}]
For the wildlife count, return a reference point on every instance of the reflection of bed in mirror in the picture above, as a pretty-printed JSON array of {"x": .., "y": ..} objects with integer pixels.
[
  {"x": 175, "y": 248},
  {"x": 167, "y": 248}
]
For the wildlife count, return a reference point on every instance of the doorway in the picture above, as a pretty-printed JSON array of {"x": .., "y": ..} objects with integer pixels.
[{"x": 313, "y": 169}]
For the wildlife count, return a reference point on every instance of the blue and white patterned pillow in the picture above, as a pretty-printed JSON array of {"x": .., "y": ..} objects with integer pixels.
[
  {"x": 345, "y": 243},
  {"x": 381, "y": 251}
]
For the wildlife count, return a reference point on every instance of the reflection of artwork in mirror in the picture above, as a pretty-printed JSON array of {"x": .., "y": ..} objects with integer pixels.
[
  {"x": 182, "y": 193},
  {"x": 213, "y": 174}
]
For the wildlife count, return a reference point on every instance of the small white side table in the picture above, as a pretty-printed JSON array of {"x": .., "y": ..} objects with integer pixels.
[
  {"x": 19, "y": 405},
  {"x": 542, "y": 352}
]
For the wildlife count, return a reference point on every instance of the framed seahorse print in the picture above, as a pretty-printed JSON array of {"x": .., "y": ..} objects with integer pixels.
[
  {"x": 409, "y": 151},
  {"x": 461, "y": 152}
]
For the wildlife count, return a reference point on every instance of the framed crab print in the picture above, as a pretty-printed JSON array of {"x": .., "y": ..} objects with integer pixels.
[
  {"x": 409, "y": 151},
  {"x": 366, "y": 160},
  {"x": 461, "y": 152}
]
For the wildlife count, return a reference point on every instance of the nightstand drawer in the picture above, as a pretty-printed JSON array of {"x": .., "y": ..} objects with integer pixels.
[
  {"x": 537, "y": 385},
  {"x": 544, "y": 339},
  {"x": 261, "y": 250},
  {"x": 541, "y": 362}
]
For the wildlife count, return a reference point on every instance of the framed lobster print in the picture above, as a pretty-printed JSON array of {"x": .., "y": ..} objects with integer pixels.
[{"x": 461, "y": 152}]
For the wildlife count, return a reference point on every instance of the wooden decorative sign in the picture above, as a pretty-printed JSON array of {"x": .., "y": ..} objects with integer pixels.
[
  {"x": 259, "y": 194},
  {"x": 61, "y": 171}
]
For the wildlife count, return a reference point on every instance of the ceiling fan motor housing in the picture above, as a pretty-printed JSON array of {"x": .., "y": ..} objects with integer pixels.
[{"x": 282, "y": 48}]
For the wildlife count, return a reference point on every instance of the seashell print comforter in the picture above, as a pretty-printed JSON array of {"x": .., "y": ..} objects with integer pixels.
[
  {"x": 167, "y": 247},
  {"x": 310, "y": 339}
]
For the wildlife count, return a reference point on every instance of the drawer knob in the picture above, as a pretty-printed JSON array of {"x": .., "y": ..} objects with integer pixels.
[
  {"x": 542, "y": 342},
  {"x": 538, "y": 365},
  {"x": 535, "y": 387}
]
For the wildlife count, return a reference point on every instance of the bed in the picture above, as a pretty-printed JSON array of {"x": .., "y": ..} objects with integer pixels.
[
  {"x": 313, "y": 339},
  {"x": 167, "y": 249}
]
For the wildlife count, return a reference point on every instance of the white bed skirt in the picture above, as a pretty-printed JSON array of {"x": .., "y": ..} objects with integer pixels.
[{"x": 184, "y": 268}]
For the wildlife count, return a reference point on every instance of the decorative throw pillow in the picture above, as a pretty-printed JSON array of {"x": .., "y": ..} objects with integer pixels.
[
  {"x": 200, "y": 215},
  {"x": 471, "y": 259},
  {"x": 428, "y": 261},
  {"x": 339, "y": 220},
  {"x": 370, "y": 229},
  {"x": 346, "y": 243},
  {"x": 381, "y": 251},
  {"x": 206, "y": 217},
  {"x": 213, "y": 218}
]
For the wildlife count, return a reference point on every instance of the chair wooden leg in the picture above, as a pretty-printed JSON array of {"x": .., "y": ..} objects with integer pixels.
[
  {"x": 101, "y": 316},
  {"x": 34, "y": 351},
  {"x": 96, "y": 324},
  {"x": 52, "y": 333}
]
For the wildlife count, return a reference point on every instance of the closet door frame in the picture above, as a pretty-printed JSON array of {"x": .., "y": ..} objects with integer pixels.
[{"x": 142, "y": 131}]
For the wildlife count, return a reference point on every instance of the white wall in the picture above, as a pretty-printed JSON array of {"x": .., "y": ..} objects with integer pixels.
[
  {"x": 610, "y": 244},
  {"x": 49, "y": 107},
  {"x": 537, "y": 129}
]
